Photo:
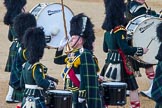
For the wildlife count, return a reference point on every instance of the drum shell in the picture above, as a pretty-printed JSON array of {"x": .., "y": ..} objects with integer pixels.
[
  {"x": 59, "y": 99},
  {"x": 50, "y": 17},
  {"x": 114, "y": 94}
]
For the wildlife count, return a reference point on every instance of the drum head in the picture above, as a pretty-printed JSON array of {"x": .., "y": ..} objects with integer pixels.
[
  {"x": 51, "y": 19},
  {"x": 143, "y": 31},
  {"x": 114, "y": 83},
  {"x": 60, "y": 91}
]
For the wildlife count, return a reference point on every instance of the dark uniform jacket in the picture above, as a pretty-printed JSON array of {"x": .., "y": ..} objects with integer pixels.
[
  {"x": 35, "y": 84},
  {"x": 116, "y": 39},
  {"x": 117, "y": 49}
]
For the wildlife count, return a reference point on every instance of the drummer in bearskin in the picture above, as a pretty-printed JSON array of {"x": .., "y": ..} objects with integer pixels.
[
  {"x": 117, "y": 67},
  {"x": 33, "y": 78},
  {"x": 14, "y": 7},
  {"x": 156, "y": 91},
  {"x": 135, "y": 8},
  {"x": 21, "y": 23},
  {"x": 80, "y": 73}
]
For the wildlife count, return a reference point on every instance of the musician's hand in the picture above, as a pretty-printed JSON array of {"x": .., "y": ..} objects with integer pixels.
[
  {"x": 145, "y": 50},
  {"x": 52, "y": 85},
  {"x": 100, "y": 78},
  {"x": 63, "y": 43},
  {"x": 81, "y": 100}
]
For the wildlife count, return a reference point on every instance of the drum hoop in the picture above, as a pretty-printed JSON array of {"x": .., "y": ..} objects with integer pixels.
[
  {"x": 113, "y": 83},
  {"x": 49, "y": 5},
  {"x": 38, "y": 14},
  {"x": 66, "y": 91},
  {"x": 135, "y": 29}
]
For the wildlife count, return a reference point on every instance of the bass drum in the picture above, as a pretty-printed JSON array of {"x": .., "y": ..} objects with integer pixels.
[
  {"x": 50, "y": 17},
  {"x": 142, "y": 32}
]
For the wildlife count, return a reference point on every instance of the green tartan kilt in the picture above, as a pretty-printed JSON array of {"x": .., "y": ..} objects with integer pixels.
[
  {"x": 12, "y": 52},
  {"x": 17, "y": 95},
  {"x": 128, "y": 79}
]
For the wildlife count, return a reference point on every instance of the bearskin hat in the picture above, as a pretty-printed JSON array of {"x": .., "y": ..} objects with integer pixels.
[
  {"x": 82, "y": 26},
  {"x": 114, "y": 14},
  {"x": 34, "y": 42},
  {"x": 22, "y": 22},
  {"x": 159, "y": 32},
  {"x": 14, "y": 7}
]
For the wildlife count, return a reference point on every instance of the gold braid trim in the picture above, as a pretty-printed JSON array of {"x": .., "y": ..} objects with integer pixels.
[
  {"x": 34, "y": 67},
  {"x": 24, "y": 56},
  {"x": 118, "y": 28}
]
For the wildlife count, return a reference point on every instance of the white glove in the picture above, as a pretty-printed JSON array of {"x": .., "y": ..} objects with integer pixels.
[
  {"x": 81, "y": 100},
  {"x": 63, "y": 43}
]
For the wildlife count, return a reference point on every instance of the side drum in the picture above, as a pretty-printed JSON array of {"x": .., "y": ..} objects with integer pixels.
[
  {"x": 114, "y": 93},
  {"x": 59, "y": 99}
]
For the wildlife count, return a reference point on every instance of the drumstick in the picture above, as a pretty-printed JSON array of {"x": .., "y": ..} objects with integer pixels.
[
  {"x": 150, "y": 42},
  {"x": 68, "y": 47},
  {"x": 146, "y": 5}
]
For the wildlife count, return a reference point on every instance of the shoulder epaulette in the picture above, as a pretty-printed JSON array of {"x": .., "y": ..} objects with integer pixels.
[
  {"x": 36, "y": 64},
  {"x": 118, "y": 28},
  {"x": 34, "y": 67}
]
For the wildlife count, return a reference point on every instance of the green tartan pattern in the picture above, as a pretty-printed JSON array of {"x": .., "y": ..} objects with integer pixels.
[
  {"x": 89, "y": 80},
  {"x": 12, "y": 52},
  {"x": 157, "y": 84},
  {"x": 17, "y": 68}
]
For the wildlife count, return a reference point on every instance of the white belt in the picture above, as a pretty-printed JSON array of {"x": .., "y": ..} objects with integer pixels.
[
  {"x": 33, "y": 87},
  {"x": 77, "y": 75}
]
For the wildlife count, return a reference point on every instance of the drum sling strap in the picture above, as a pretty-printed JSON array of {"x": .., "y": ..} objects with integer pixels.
[
  {"x": 125, "y": 62},
  {"x": 69, "y": 71}
]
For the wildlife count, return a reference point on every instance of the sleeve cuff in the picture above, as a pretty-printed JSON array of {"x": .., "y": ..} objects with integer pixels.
[
  {"x": 139, "y": 51},
  {"x": 51, "y": 85}
]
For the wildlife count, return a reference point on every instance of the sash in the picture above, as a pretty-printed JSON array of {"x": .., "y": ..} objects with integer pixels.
[{"x": 69, "y": 71}]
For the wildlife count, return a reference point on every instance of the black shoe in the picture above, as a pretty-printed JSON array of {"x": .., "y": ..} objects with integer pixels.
[
  {"x": 12, "y": 101},
  {"x": 145, "y": 94}
]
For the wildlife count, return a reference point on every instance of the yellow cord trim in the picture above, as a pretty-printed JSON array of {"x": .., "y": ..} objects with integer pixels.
[
  {"x": 24, "y": 56},
  {"x": 34, "y": 67},
  {"x": 118, "y": 28}
]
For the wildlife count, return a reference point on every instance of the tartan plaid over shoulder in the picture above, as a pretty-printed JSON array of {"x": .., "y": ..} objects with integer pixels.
[
  {"x": 156, "y": 91},
  {"x": 89, "y": 79}
]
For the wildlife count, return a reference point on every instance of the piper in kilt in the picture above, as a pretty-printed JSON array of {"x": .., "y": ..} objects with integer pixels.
[
  {"x": 80, "y": 73},
  {"x": 33, "y": 78},
  {"x": 156, "y": 91},
  {"x": 14, "y": 7},
  {"x": 21, "y": 23},
  {"x": 117, "y": 67}
]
